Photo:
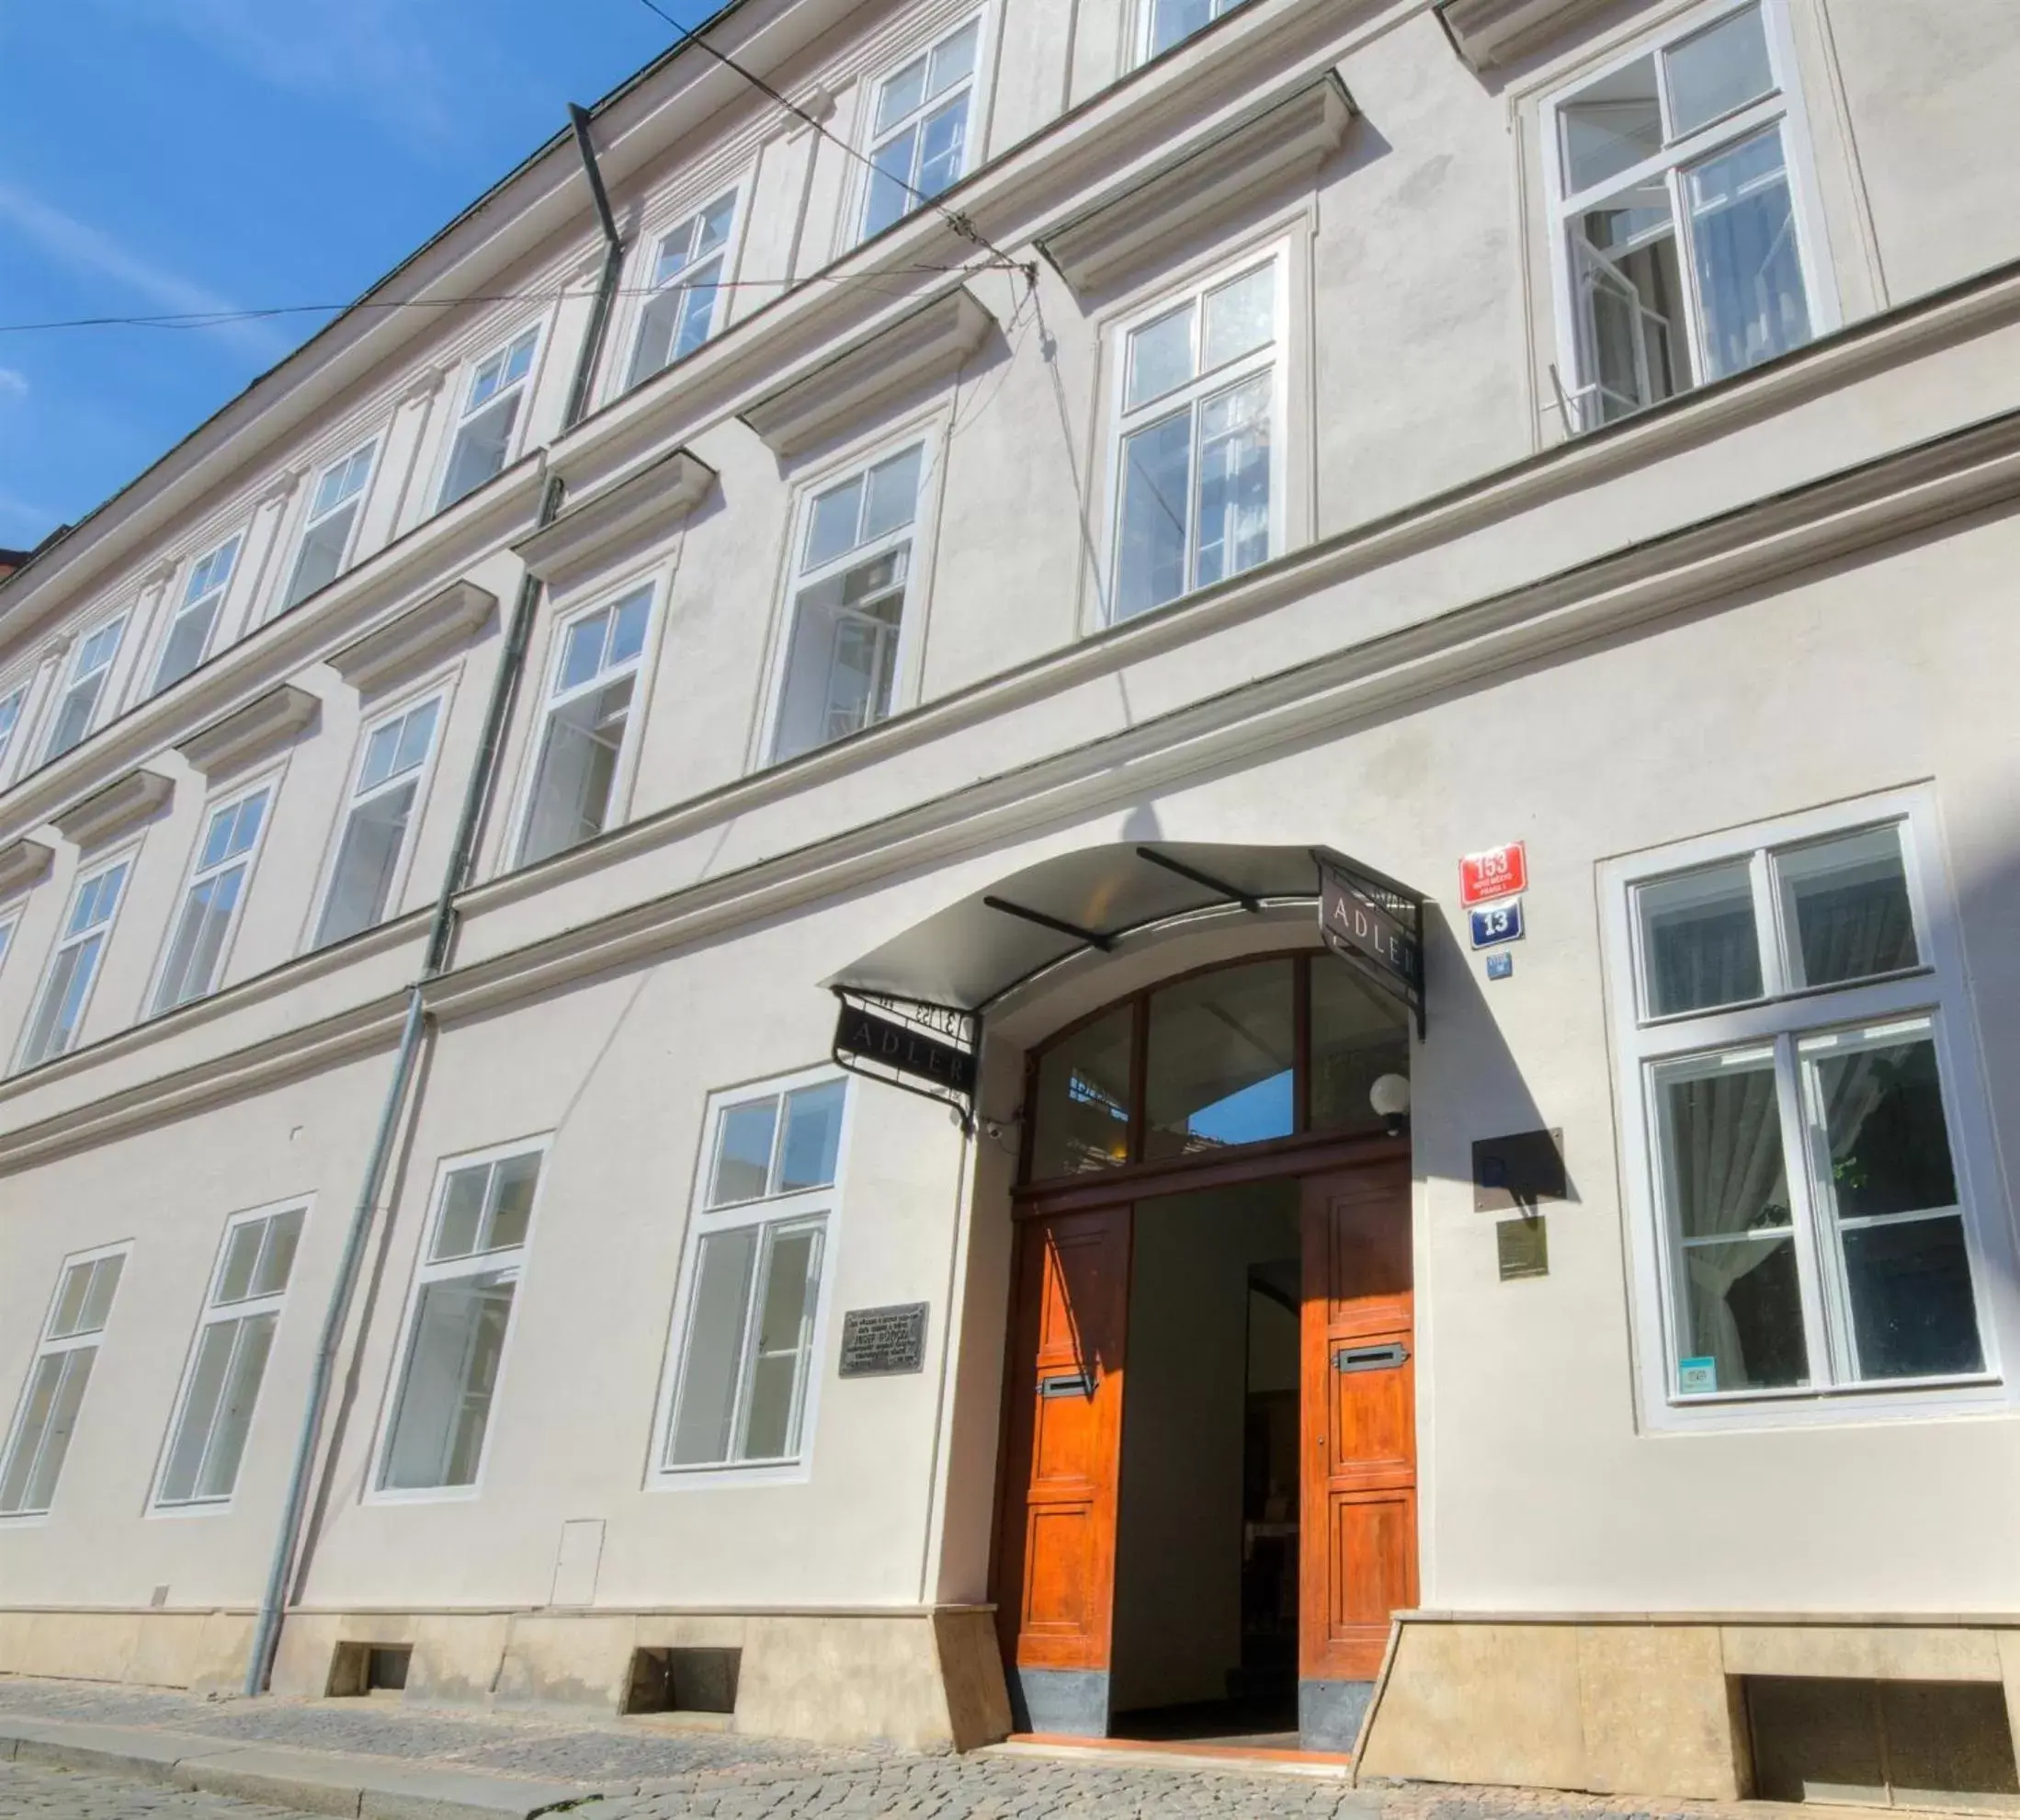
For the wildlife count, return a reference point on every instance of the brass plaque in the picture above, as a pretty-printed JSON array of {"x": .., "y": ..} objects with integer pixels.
[{"x": 1525, "y": 1247}]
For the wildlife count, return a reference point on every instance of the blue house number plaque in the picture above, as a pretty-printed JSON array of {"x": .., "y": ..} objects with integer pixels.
[{"x": 1496, "y": 923}]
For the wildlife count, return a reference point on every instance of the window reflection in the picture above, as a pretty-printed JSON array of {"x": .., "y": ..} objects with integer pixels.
[
  {"x": 1221, "y": 1058},
  {"x": 1082, "y": 1118}
]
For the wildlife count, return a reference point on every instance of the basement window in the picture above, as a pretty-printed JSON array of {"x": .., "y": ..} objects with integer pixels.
[
  {"x": 359, "y": 1668},
  {"x": 682, "y": 1680},
  {"x": 1885, "y": 1743}
]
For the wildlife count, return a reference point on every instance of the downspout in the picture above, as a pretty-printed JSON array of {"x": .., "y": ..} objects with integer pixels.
[{"x": 441, "y": 937}]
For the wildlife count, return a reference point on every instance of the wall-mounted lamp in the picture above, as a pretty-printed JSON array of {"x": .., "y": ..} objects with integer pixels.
[{"x": 1389, "y": 1097}]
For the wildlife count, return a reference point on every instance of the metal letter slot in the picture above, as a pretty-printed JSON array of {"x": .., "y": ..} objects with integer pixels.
[
  {"x": 1370, "y": 1358},
  {"x": 1075, "y": 1383}
]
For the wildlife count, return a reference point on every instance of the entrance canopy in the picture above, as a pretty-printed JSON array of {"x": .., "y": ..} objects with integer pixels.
[{"x": 912, "y": 1008}]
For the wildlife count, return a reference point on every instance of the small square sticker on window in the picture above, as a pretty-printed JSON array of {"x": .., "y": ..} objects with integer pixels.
[{"x": 1696, "y": 1376}]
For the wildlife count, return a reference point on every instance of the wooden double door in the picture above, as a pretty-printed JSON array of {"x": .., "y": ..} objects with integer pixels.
[{"x": 1358, "y": 1504}]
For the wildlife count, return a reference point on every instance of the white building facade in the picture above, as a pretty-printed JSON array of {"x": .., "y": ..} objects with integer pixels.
[{"x": 742, "y": 981}]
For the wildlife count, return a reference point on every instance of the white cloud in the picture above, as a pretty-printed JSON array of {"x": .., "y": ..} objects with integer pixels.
[
  {"x": 83, "y": 249},
  {"x": 13, "y": 384}
]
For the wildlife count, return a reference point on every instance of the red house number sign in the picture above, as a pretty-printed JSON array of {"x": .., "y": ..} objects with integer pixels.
[{"x": 1501, "y": 872}]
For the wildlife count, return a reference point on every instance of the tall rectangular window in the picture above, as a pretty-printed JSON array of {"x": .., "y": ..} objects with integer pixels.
[
  {"x": 921, "y": 129},
  {"x": 84, "y": 686},
  {"x": 582, "y": 740},
  {"x": 1790, "y": 1069},
  {"x": 745, "y": 1338},
  {"x": 74, "y": 968},
  {"x": 1678, "y": 216},
  {"x": 684, "y": 307},
  {"x": 210, "y": 905},
  {"x": 333, "y": 509},
  {"x": 1199, "y": 456},
  {"x": 11, "y": 705},
  {"x": 1166, "y": 23},
  {"x": 852, "y": 577},
  {"x": 488, "y": 420},
  {"x": 189, "y": 639},
  {"x": 456, "y": 1326},
  {"x": 54, "y": 1393},
  {"x": 374, "y": 841},
  {"x": 221, "y": 1387}
]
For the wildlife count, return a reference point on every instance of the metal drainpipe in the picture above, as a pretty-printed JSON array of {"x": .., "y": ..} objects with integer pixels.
[{"x": 441, "y": 935}]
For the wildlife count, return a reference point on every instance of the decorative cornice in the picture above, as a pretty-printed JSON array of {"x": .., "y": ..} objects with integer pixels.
[
  {"x": 1152, "y": 213},
  {"x": 23, "y": 862},
  {"x": 265, "y": 723},
  {"x": 283, "y": 488},
  {"x": 923, "y": 345},
  {"x": 599, "y": 526},
  {"x": 407, "y": 644},
  {"x": 113, "y": 809},
  {"x": 426, "y": 387},
  {"x": 1489, "y": 33}
]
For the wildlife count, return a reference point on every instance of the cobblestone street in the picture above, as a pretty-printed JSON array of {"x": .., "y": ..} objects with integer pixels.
[{"x": 647, "y": 1773}]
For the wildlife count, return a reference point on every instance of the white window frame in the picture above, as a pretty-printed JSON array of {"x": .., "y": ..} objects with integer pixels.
[
  {"x": 552, "y": 700},
  {"x": 1937, "y": 988},
  {"x": 124, "y": 859},
  {"x": 466, "y": 379},
  {"x": 12, "y": 734},
  {"x": 215, "y": 1311},
  {"x": 268, "y": 785},
  {"x": 654, "y": 242},
  {"x": 10, "y": 926},
  {"x": 822, "y": 1206},
  {"x": 929, "y": 438},
  {"x": 1146, "y": 13},
  {"x": 210, "y": 603},
  {"x": 45, "y": 1346},
  {"x": 483, "y": 1263},
  {"x": 73, "y": 677},
  {"x": 440, "y": 691},
  {"x": 372, "y": 447},
  {"x": 1278, "y": 357},
  {"x": 1784, "y": 108},
  {"x": 979, "y": 92}
]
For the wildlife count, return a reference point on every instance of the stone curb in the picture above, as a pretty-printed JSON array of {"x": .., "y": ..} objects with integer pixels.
[{"x": 350, "y": 1784}]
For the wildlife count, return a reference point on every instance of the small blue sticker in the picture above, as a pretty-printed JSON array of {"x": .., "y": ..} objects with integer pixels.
[
  {"x": 1496, "y": 923},
  {"x": 1500, "y": 966},
  {"x": 1696, "y": 1376}
]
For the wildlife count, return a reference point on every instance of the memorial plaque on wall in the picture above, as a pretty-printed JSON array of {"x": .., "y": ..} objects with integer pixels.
[
  {"x": 1524, "y": 1248},
  {"x": 1515, "y": 1173},
  {"x": 884, "y": 1342}
]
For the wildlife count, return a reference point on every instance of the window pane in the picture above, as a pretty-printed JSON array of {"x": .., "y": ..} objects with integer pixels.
[
  {"x": 842, "y": 666},
  {"x": 445, "y": 1399},
  {"x": 889, "y": 183},
  {"x": 712, "y": 1359},
  {"x": 1725, "y": 1177},
  {"x": 1234, "y": 432},
  {"x": 582, "y": 649},
  {"x": 56, "y": 1018},
  {"x": 1912, "y": 1313},
  {"x": 900, "y": 94},
  {"x": 1358, "y": 1034},
  {"x": 1160, "y": 356},
  {"x": 658, "y": 323},
  {"x": 322, "y": 557},
  {"x": 1718, "y": 71},
  {"x": 1698, "y": 943},
  {"x": 1611, "y": 125},
  {"x": 1879, "y": 1107},
  {"x": 189, "y": 638},
  {"x": 1220, "y": 1059},
  {"x": 481, "y": 448},
  {"x": 241, "y": 1257},
  {"x": 365, "y": 861},
  {"x": 744, "y": 1152},
  {"x": 1082, "y": 1119},
  {"x": 778, "y": 1368},
  {"x": 941, "y": 144},
  {"x": 277, "y": 1256},
  {"x": 235, "y": 1416},
  {"x": 1742, "y": 232},
  {"x": 199, "y": 1411},
  {"x": 1156, "y": 475},
  {"x": 1173, "y": 21},
  {"x": 577, "y": 770},
  {"x": 893, "y": 494},
  {"x": 953, "y": 60},
  {"x": 1241, "y": 317},
  {"x": 512, "y": 1183},
  {"x": 1845, "y": 905},
  {"x": 199, "y": 940},
  {"x": 627, "y": 630},
  {"x": 75, "y": 1377},
  {"x": 33, "y": 1427},
  {"x": 814, "y": 1136},
  {"x": 70, "y": 1302},
  {"x": 105, "y": 1281},
  {"x": 416, "y": 732},
  {"x": 462, "y": 1210},
  {"x": 831, "y": 530},
  {"x": 1631, "y": 303}
]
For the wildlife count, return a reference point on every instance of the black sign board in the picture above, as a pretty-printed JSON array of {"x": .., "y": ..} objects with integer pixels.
[
  {"x": 1516, "y": 1172},
  {"x": 1374, "y": 926},
  {"x": 884, "y": 1342},
  {"x": 927, "y": 1048}
]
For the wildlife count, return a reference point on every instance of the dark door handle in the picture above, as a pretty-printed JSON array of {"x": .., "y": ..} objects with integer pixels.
[{"x": 1370, "y": 1358}]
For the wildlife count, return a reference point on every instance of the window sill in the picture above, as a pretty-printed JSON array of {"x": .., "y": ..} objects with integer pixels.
[
  {"x": 1900, "y": 1399},
  {"x": 741, "y": 1475}
]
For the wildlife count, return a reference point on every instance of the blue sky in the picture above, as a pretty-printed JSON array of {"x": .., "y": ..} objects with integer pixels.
[{"x": 174, "y": 155}]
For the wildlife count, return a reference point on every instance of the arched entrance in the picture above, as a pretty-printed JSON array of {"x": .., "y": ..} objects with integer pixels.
[{"x": 1209, "y": 1480}]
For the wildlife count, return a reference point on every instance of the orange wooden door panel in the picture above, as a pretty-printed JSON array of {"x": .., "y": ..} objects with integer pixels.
[
  {"x": 1056, "y": 1580},
  {"x": 1358, "y": 1514}
]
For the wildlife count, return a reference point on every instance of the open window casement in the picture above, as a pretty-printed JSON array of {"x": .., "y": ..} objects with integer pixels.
[
  {"x": 685, "y": 307},
  {"x": 488, "y": 423},
  {"x": 332, "y": 519}
]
